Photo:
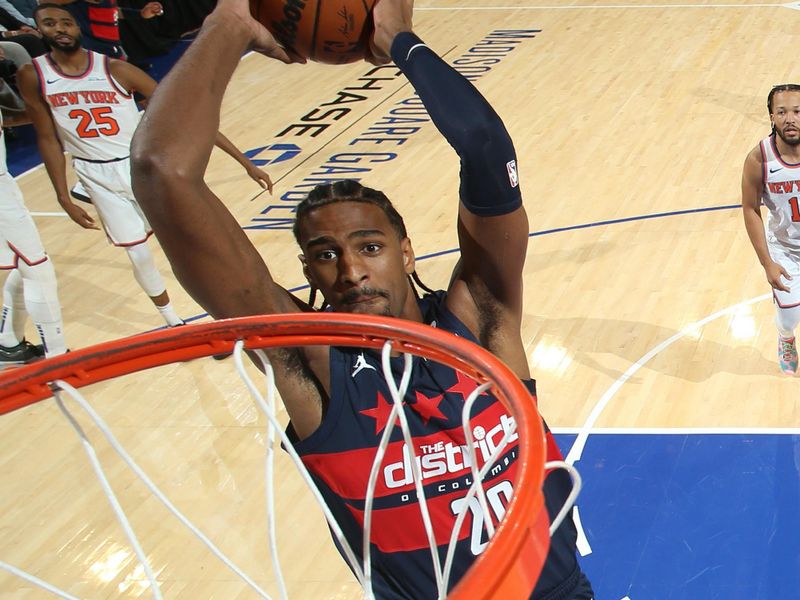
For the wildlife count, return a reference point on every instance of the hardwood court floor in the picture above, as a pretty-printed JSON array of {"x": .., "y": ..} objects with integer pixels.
[{"x": 645, "y": 304}]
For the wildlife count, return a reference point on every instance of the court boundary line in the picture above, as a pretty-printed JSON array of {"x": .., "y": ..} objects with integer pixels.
[
  {"x": 576, "y": 451},
  {"x": 674, "y": 213},
  {"x": 680, "y": 430}
]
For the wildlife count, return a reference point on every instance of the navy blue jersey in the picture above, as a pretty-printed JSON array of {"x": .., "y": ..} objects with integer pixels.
[{"x": 340, "y": 453}]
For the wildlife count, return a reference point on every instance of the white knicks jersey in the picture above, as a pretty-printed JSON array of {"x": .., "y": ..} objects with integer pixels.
[
  {"x": 781, "y": 196},
  {"x": 94, "y": 115}
]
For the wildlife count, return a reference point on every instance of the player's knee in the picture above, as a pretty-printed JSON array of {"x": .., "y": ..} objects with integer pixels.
[
  {"x": 41, "y": 273},
  {"x": 144, "y": 269}
]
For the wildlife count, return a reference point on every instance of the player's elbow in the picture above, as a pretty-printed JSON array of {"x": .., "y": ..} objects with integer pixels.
[
  {"x": 146, "y": 172},
  {"x": 159, "y": 188},
  {"x": 154, "y": 168},
  {"x": 486, "y": 127}
]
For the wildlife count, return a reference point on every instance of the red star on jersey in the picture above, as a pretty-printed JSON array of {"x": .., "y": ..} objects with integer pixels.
[
  {"x": 380, "y": 413},
  {"x": 428, "y": 408},
  {"x": 463, "y": 385}
]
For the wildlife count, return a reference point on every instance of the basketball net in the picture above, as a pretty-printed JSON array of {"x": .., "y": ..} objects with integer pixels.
[{"x": 511, "y": 563}]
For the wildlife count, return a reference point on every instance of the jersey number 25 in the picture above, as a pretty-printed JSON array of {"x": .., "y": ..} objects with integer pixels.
[{"x": 94, "y": 122}]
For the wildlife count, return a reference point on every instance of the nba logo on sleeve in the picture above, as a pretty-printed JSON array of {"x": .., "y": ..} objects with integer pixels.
[{"x": 513, "y": 178}]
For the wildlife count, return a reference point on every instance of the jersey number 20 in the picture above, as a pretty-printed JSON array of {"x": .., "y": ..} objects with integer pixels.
[
  {"x": 497, "y": 496},
  {"x": 94, "y": 122}
]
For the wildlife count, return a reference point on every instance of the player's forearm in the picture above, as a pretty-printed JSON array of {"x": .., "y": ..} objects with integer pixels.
[
  {"x": 56, "y": 166},
  {"x": 755, "y": 231},
  {"x": 227, "y": 146}
]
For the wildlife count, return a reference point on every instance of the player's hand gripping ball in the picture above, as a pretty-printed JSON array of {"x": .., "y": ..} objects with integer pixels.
[{"x": 333, "y": 32}]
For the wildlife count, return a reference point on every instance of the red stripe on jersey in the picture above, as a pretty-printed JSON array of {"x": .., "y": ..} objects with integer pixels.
[
  {"x": 441, "y": 457},
  {"x": 105, "y": 32},
  {"x": 101, "y": 14},
  {"x": 553, "y": 451},
  {"x": 388, "y": 536}
]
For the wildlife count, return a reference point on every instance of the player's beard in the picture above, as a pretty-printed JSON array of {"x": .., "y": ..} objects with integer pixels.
[
  {"x": 795, "y": 141},
  {"x": 65, "y": 48},
  {"x": 348, "y": 301}
]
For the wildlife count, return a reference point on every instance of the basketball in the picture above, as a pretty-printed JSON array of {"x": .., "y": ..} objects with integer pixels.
[{"x": 332, "y": 33}]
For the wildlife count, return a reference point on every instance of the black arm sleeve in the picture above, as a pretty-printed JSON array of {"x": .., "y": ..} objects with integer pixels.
[{"x": 489, "y": 182}]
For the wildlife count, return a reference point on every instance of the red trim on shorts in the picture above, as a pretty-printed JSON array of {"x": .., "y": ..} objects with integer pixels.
[
  {"x": 19, "y": 255},
  {"x": 778, "y": 302},
  {"x": 136, "y": 243}
]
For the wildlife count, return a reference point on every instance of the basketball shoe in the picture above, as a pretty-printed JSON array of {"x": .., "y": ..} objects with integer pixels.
[
  {"x": 21, "y": 353},
  {"x": 787, "y": 355}
]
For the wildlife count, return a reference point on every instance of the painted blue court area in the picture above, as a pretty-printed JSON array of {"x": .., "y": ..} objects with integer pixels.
[{"x": 691, "y": 516}]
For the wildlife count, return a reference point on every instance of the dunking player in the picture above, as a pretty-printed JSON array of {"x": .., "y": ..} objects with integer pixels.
[
  {"x": 356, "y": 253},
  {"x": 772, "y": 173},
  {"x": 30, "y": 286},
  {"x": 85, "y": 101}
]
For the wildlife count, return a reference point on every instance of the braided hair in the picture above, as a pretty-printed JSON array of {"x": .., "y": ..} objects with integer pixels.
[{"x": 348, "y": 190}]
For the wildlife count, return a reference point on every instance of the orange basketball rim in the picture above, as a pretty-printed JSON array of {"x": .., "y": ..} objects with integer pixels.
[{"x": 510, "y": 565}]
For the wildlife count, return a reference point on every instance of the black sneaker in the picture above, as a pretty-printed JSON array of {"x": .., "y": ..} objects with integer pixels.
[{"x": 19, "y": 354}]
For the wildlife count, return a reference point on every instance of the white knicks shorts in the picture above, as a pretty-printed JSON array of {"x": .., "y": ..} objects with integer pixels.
[
  {"x": 790, "y": 261},
  {"x": 19, "y": 238},
  {"x": 109, "y": 186}
]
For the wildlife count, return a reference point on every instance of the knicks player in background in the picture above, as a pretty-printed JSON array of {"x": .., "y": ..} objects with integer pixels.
[
  {"x": 82, "y": 102},
  {"x": 30, "y": 286},
  {"x": 355, "y": 251},
  {"x": 772, "y": 173}
]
